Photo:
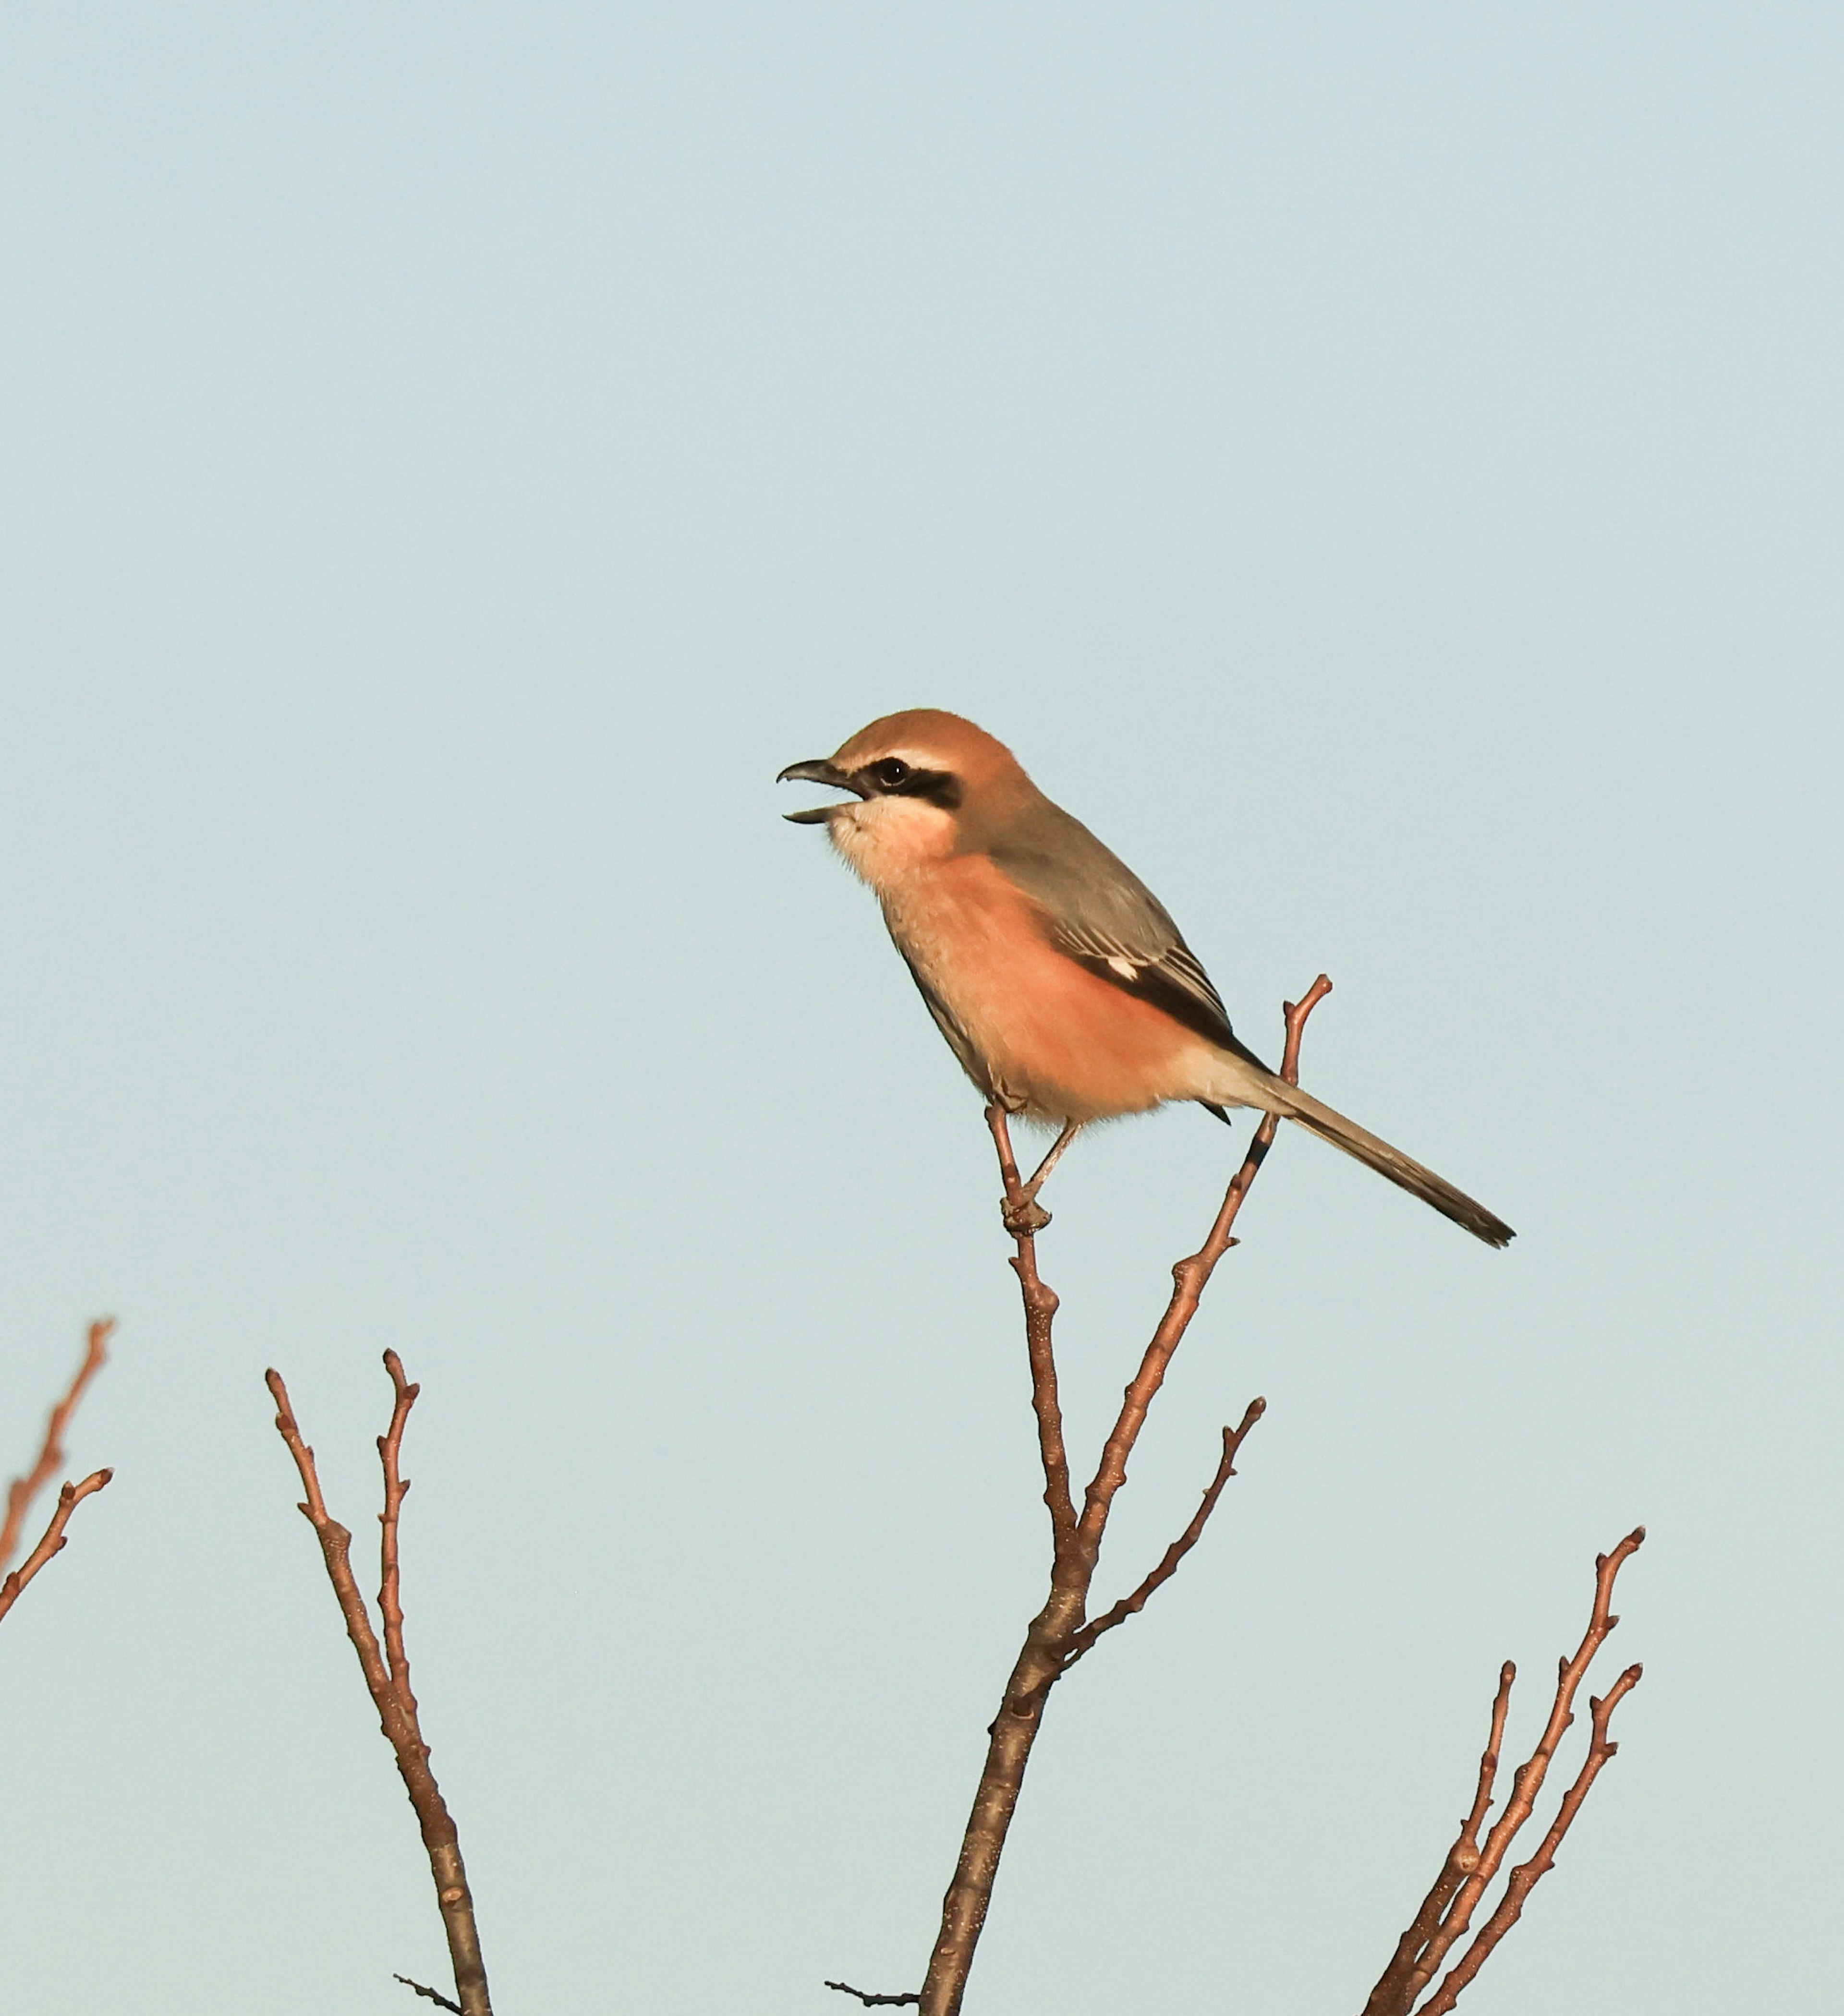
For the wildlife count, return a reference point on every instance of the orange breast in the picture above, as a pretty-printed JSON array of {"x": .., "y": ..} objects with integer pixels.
[{"x": 1046, "y": 1032}]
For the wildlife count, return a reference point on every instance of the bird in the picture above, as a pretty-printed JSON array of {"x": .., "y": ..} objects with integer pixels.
[{"x": 1059, "y": 979}]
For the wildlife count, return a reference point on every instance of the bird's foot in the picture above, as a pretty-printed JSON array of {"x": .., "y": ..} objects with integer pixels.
[{"x": 1023, "y": 1217}]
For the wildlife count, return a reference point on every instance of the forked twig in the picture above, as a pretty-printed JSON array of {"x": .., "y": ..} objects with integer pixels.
[
  {"x": 1462, "y": 1859},
  {"x": 1060, "y": 1633},
  {"x": 387, "y": 1674},
  {"x": 1168, "y": 1566},
  {"x": 69, "y": 1499},
  {"x": 1525, "y": 1877},
  {"x": 875, "y": 2001},
  {"x": 23, "y": 1490},
  {"x": 1447, "y": 1910},
  {"x": 1189, "y": 1278}
]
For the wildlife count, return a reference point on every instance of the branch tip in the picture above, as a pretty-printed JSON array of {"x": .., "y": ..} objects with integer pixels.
[
  {"x": 24, "y": 1489},
  {"x": 54, "y": 1540},
  {"x": 434, "y": 1994}
]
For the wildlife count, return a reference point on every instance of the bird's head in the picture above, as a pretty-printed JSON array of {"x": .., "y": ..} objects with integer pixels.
[{"x": 920, "y": 783}]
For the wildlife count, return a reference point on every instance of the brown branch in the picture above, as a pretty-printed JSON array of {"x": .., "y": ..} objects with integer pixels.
[
  {"x": 1462, "y": 1859},
  {"x": 1040, "y": 1312},
  {"x": 1076, "y": 1541},
  {"x": 387, "y": 1676},
  {"x": 23, "y": 1490},
  {"x": 1447, "y": 1913},
  {"x": 1525, "y": 1876},
  {"x": 1189, "y": 1279},
  {"x": 69, "y": 1499},
  {"x": 1129, "y": 1606},
  {"x": 389, "y": 1596},
  {"x": 874, "y": 2001}
]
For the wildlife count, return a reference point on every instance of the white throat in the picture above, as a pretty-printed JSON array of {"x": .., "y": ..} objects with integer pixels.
[{"x": 887, "y": 841}]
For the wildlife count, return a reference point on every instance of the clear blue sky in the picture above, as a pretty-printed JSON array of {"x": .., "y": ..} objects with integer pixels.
[{"x": 1379, "y": 467}]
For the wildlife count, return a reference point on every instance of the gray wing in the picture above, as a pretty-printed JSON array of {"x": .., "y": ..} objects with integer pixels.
[{"x": 1106, "y": 918}]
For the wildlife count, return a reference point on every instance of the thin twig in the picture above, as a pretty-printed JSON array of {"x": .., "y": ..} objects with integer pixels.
[
  {"x": 390, "y": 1595},
  {"x": 875, "y": 2001},
  {"x": 1040, "y": 1310},
  {"x": 1525, "y": 1876},
  {"x": 69, "y": 1499},
  {"x": 1189, "y": 1279},
  {"x": 1462, "y": 1859},
  {"x": 23, "y": 1490},
  {"x": 1129, "y": 1606},
  {"x": 387, "y": 1676},
  {"x": 432, "y": 1994},
  {"x": 1447, "y": 1913}
]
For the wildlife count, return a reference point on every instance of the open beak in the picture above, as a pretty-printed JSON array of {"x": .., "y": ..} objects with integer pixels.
[{"x": 819, "y": 770}]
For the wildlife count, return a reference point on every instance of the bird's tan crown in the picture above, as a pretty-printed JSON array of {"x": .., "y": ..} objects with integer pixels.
[{"x": 928, "y": 738}]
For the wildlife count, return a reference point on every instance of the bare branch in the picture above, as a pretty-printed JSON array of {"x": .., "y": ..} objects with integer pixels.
[
  {"x": 432, "y": 1994},
  {"x": 1129, "y": 1606},
  {"x": 1040, "y": 1310},
  {"x": 69, "y": 1499},
  {"x": 23, "y": 1490},
  {"x": 390, "y": 1598},
  {"x": 1462, "y": 1859},
  {"x": 1525, "y": 1876},
  {"x": 1076, "y": 1540},
  {"x": 387, "y": 1676},
  {"x": 1189, "y": 1279},
  {"x": 1447, "y": 1913},
  {"x": 874, "y": 2001}
]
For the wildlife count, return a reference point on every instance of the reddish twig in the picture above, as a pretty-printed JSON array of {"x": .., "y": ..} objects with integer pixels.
[
  {"x": 1462, "y": 1859},
  {"x": 1040, "y": 1310},
  {"x": 69, "y": 1499},
  {"x": 1189, "y": 1279},
  {"x": 396, "y": 1485},
  {"x": 1525, "y": 1877},
  {"x": 23, "y": 1490},
  {"x": 387, "y": 1674},
  {"x": 1051, "y": 1643},
  {"x": 1128, "y": 1606},
  {"x": 1447, "y": 1913}
]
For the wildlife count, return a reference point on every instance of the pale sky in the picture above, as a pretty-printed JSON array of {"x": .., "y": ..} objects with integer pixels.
[{"x": 1379, "y": 468}]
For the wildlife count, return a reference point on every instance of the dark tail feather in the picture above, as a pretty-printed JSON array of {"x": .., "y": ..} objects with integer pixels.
[{"x": 1401, "y": 1170}]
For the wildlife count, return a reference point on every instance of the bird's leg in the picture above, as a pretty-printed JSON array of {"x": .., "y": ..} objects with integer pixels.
[
  {"x": 1019, "y": 1210},
  {"x": 1020, "y": 1216},
  {"x": 1071, "y": 1129}
]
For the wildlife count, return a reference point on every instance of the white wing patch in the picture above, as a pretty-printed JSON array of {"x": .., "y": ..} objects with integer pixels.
[{"x": 1125, "y": 968}]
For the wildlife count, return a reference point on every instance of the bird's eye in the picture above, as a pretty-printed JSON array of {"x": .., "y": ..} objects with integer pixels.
[{"x": 890, "y": 772}]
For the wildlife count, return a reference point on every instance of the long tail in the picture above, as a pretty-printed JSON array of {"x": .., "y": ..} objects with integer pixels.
[{"x": 1276, "y": 1095}]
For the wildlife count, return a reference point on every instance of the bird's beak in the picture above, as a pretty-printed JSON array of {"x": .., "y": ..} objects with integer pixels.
[{"x": 819, "y": 770}]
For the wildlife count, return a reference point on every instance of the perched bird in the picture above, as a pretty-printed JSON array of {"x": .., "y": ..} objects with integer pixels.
[{"x": 1058, "y": 978}]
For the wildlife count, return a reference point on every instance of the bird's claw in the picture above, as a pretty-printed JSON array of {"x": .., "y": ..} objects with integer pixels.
[{"x": 1023, "y": 1219}]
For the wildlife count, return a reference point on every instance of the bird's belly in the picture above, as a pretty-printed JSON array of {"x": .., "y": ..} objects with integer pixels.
[{"x": 1043, "y": 1033}]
